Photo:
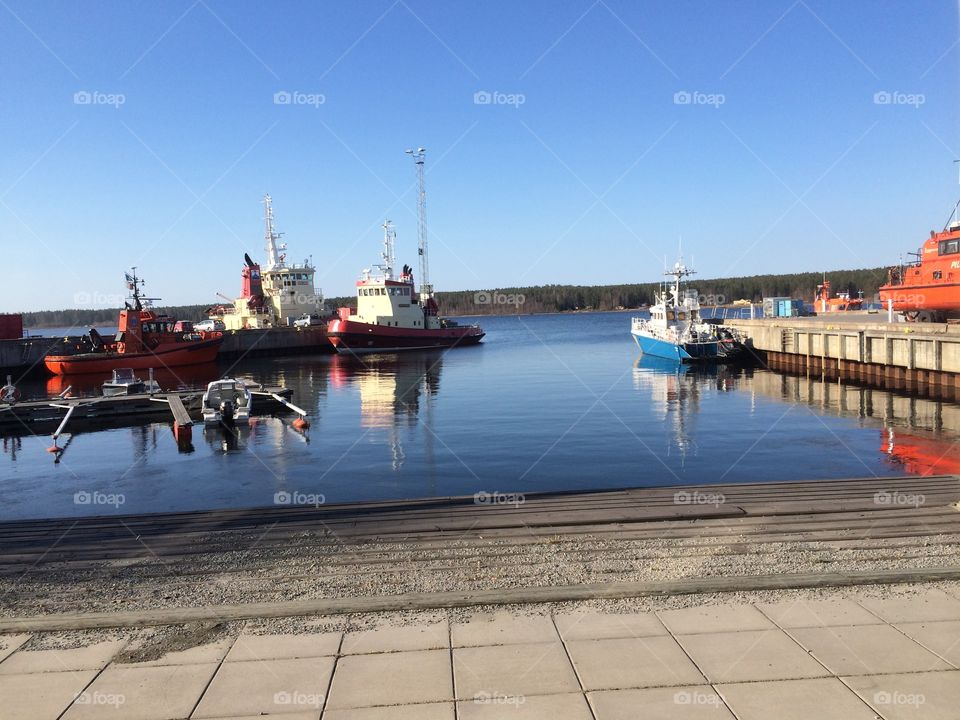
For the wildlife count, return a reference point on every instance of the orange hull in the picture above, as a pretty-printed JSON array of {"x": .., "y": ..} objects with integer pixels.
[
  {"x": 165, "y": 356},
  {"x": 943, "y": 297}
]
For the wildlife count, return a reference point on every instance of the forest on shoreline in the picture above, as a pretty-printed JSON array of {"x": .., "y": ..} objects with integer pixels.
[{"x": 547, "y": 298}]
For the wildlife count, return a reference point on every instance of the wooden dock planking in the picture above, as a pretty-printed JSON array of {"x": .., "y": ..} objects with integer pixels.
[{"x": 757, "y": 512}]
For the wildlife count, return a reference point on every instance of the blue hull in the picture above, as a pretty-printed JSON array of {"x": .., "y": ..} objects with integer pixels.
[{"x": 689, "y": 352}]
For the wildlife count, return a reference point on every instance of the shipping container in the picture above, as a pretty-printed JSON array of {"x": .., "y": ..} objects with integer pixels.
[{"x": 11, "y": 327}]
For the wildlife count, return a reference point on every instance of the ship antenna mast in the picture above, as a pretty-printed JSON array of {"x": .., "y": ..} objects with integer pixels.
[
  {"x": 389, "y": 259},
  {"x": 274, "y": 258},
  {"x": 426, "y": 289}
]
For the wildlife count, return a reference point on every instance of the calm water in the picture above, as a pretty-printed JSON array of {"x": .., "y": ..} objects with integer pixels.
[{"x": 545, "y": 403}]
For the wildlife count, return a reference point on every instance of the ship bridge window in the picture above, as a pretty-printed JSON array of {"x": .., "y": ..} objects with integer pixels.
[{"x": 949, "y": 247}]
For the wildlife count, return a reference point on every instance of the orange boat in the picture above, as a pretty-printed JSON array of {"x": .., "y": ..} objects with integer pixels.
[
  {"x": 841, "y": 303},
  {"x": 144, "y": 340},
  {"x": 928, "y": 289}
]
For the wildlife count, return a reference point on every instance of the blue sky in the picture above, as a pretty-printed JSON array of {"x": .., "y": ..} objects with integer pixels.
[{"x": 753, "y": 130}]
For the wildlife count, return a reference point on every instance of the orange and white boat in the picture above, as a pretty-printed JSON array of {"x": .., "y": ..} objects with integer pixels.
[{"x": 144, "y": 340}]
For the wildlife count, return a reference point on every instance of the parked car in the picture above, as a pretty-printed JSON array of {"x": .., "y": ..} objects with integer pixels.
[
  {"x": 306, "y": 320},
  {"x": 209, "y": 326}
]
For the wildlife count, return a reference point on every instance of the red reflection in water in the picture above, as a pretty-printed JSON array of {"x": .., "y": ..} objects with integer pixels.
[
  {"x": 920, "y": 455},
  {"x": 181, "y": 378}
]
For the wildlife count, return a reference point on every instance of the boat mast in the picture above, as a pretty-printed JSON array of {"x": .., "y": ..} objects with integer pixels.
[
  {"x": 426, "y": 289},
  {"x": 389, "y": 236},
  {"x": 679, "y": 272},
  {"x": 274, "y": 258}
]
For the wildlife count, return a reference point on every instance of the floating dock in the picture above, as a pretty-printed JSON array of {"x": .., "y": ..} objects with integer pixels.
[
  {"x": 47, "y": 416},
  {"x": 923, "y": 357}
]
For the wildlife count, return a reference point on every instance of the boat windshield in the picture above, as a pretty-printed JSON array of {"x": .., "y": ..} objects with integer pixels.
[{"x": 123, "y": 375}]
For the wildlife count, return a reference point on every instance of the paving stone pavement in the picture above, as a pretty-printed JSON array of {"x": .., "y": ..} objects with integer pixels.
[{"x": 844, "y": 659}]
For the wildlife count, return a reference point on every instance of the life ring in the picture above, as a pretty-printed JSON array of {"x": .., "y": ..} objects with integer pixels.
[{"x": 9, "y": 394}]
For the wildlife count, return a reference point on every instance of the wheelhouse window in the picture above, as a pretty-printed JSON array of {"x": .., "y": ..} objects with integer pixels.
[{"x": 949, "y": 247}]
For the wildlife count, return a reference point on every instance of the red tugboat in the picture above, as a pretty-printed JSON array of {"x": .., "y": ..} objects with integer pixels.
[
  {"x": 928, "y": 289},
  {"x": 390, "y": 316},
  {"x": 144, "y": 340},
  {"x": 823, "y": 303}
]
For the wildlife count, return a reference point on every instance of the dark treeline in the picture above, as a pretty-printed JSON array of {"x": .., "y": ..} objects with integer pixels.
[
  {"x": 565, "y": 298},
  {"x": 85, "y": 318},
  {"x": 551, "y": 298}
]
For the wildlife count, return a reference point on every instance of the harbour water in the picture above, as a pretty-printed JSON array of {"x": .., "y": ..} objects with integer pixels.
[{"x": 547, "y": 402}]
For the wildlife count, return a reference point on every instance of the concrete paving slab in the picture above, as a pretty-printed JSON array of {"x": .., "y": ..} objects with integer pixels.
[
  {"x": 142, "y": 693},
  {"x": 599, "y": 626},
  {"x": 210, "y": 653},
  {"x": 822, "y": 698},
  {"x": 940, "y": 636},
  {"x": 275, "y": 647},
  {"x": 397, "y": 639},
  {"x": 632, "y": 663},
  {"x": 401, "y": 678},
  {"x": 568, "y": 706},
  {"x": 510, "y": 671},
  {"x": 867, "y": 650},
  {"x": 818, "y": 613},
  {"x": 714, "y": 619},
  {"x": 91, "y": 657},
  {"x": 911, "y": 696},
  {"x": 41, "y": 696},
  {"x": 433, "y": 711},
  {"x": 276, "y": 686},
  {"x": 285, "y": 716},
  {"x": 9, "y": 643},
  {"x": 750, "y": 656},
  {"x": 928, "y": 604},
  {"x": 696, "y": 702},
  {"x": 503, "y": 629}
]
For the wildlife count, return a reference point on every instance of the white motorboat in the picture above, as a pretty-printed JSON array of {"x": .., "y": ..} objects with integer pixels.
[
  {"x": 124, "y": 382},
  {"x": 228, "y": 401}
]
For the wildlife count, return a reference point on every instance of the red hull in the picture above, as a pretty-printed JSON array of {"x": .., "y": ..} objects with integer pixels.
[
  {"x": 348, "y": 336},
  {"x": 193, "y": 353},
  {"x": 943, "y": 297}
]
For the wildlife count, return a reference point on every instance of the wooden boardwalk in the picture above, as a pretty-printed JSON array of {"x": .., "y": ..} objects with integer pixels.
[{"x": 677, "y": 541}]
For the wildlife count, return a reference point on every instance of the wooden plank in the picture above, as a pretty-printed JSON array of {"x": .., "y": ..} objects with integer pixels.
[
  {"x": 456, "y": 599},
  {"x": 180, "y": 414}
]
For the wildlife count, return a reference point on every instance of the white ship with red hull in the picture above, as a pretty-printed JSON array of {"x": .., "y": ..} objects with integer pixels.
[{"x": 391, "y": 315}]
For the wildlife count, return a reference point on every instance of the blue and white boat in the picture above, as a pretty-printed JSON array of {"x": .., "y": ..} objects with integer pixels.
[{"x": 676, "y": 331}]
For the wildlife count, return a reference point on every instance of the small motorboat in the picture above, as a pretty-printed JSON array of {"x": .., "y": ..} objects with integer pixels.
[
  {"x": 124, "y": 382},
  {"x": 227, "y": 401}
]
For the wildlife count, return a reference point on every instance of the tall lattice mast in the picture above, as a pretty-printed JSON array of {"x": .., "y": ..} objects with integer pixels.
[
  {"x": 274, "y": 257},
  {"x": 426, "y": 289},
  {"x": 389, "y": 259}
]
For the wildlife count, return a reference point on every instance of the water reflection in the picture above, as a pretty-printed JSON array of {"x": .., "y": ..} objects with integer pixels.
[
  {"x": 392, "y": 391},
  {"x": 675, "y": 393}
]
